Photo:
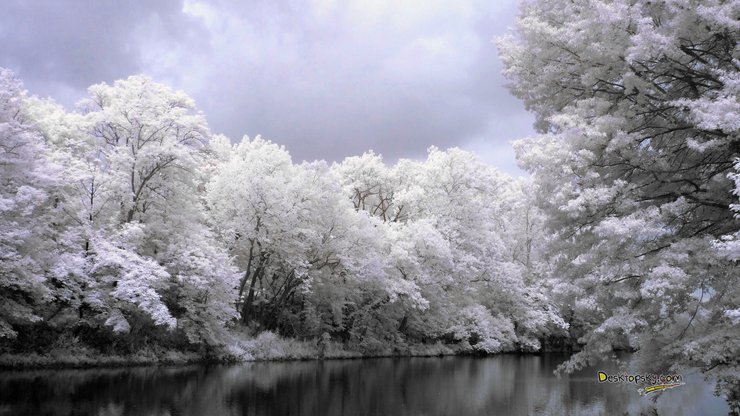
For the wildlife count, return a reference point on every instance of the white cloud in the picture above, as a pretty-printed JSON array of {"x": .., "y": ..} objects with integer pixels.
[{"x": 326, "y": 78}]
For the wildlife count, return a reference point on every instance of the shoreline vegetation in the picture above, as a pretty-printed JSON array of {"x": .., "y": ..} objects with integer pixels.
[
  {"x": 130, "y": 230},
  {"x": 267, "y": 346}
]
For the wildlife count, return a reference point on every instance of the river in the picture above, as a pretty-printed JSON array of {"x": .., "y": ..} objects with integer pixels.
[{"x": 507, "y": 384}]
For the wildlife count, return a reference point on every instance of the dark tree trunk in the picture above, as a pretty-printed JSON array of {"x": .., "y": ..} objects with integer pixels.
[{"x": 247, "y": 307}]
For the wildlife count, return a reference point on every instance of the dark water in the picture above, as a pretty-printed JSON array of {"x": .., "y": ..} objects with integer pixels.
[{"x": 454, "y": 386}]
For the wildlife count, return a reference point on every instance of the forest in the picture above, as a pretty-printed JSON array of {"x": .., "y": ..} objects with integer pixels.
[{"x": 128, "y": 228}]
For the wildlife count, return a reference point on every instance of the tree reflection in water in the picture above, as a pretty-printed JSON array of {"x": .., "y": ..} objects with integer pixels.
[{"x": 503, "y": 384}]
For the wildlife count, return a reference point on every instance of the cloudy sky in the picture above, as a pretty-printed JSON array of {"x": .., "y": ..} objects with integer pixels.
[{"x": 325, "y": 78}]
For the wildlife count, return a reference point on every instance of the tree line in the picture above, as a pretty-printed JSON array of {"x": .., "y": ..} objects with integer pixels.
[{"x": 128, "y": 217}]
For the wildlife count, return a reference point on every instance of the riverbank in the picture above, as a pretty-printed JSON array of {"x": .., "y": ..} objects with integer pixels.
[{"x": 265, "y": 347}]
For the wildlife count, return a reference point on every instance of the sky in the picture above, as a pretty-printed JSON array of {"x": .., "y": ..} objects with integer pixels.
[{"x": 325, "y": 78}]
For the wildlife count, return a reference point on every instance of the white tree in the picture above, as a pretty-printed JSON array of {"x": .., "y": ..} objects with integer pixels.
[
  {"x": 470, "y": 204},
  {"x": 456, "y": 243},
  {"x": 27, "y": 211},
  {"x": 258, "y": 211},
  {"x": 637, "y": 103},
  {"x": 133, "y": 156},
  {"x": 372, "y": 186}
]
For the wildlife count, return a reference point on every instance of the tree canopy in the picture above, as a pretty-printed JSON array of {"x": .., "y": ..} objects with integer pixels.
[
  {"x": 636, "y": 171},
  {"x": 139, "y": 223}
]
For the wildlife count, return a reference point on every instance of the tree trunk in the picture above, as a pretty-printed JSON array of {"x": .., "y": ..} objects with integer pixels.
[
  {"x": 404, "y": 324},
  {"x": 246, "y": 274},
  {"x": 247, "y": 307}
]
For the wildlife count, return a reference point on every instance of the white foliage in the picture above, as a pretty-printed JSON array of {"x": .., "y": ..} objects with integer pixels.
[{"x": 636, "y": 167}]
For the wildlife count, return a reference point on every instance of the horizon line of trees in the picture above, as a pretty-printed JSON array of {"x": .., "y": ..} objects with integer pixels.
[{"x": 126, "y": 221}]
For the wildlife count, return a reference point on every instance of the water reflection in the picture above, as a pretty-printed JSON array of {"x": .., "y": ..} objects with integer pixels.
[{"x": 500, "y": 385}]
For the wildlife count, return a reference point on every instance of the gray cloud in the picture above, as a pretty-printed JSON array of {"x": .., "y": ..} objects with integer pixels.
[
  {"x": 60, "y": 47},
  {"x": 327, "y": 79}
]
